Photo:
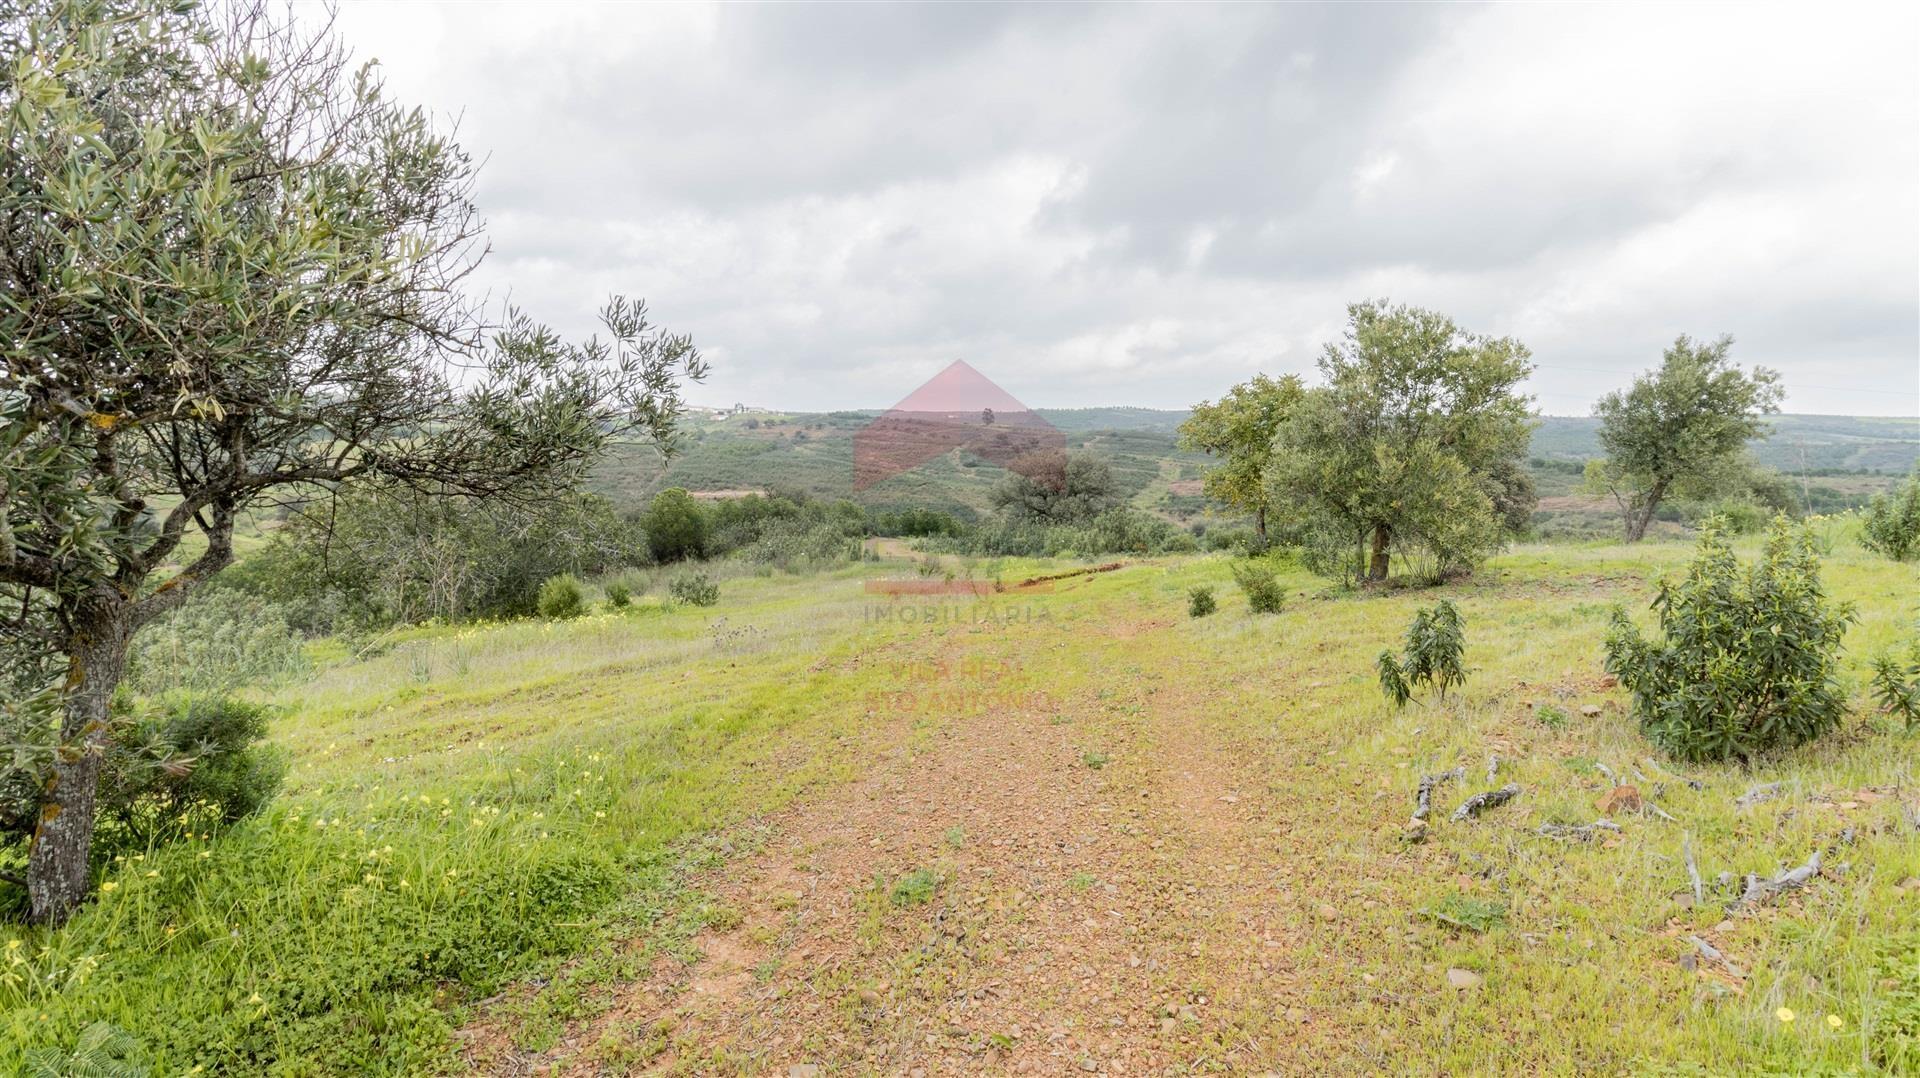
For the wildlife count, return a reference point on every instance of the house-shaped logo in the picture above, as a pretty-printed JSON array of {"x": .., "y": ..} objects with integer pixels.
[{"x": 959, "y": 408}]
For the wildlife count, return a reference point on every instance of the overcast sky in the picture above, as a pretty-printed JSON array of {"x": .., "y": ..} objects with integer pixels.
[{"x": 1145, "y": 204}]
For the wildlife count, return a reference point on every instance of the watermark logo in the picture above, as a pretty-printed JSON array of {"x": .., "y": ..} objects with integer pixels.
[{"x": 958, "y": 409}]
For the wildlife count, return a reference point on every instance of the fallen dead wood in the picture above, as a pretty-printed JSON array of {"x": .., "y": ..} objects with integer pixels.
[
  {"x": 1764, "y": 890},
  {"x": 1582, "y": 833},
  {"x": 1071, "y": 573},
  {"x": 1423, "y": 799},
  {"x": 1693, "y": 868},
  {"x": 1481, "y": 802},
  {"x": 1692, "y": 784},
  {"x": 1713, "y": 954}
]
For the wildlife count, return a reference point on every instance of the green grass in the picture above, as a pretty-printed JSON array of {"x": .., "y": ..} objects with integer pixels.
[{"x": 491, "y": 806}]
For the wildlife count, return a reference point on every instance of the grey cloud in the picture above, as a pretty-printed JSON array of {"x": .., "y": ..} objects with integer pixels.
[{"x": 1143, "y": 203}]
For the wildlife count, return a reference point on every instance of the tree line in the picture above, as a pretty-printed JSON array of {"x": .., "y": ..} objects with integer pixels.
[{"x": 1412, "y": 449}]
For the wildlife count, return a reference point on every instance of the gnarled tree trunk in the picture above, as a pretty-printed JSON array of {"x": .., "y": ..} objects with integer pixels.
[
  {"x": 58, "y": 860},
  {"x": 1377, "y": 563}
]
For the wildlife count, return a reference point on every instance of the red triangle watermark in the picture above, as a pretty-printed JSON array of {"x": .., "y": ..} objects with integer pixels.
[{"x": 957, "y": 409}]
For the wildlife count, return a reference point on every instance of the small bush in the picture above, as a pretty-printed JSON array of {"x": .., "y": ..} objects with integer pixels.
[
  {"x": 1749, "y": 656},
  {"x": 562, "y": 597},
  {"x": 915, "y": 888},
  {"x": 1433, "y": 657},
  {"x": 618, "y": 594},
  {"x": 1892, "y": 525},
  {"x": 1199, "y": 602},
  {"x": 1896, "y": 686},
  {"x": 694, "y": 589},
  {"x": 191, "y": 764},
  {"x": 1258, "y": 580}
]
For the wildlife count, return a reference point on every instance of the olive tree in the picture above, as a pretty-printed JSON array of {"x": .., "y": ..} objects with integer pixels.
[
  {"x": 1413, "y": 446},
  {"x": 1240, "y": 429},
  {"x": 1682, "y": 424},
  {"x": 230, "y": 274}
]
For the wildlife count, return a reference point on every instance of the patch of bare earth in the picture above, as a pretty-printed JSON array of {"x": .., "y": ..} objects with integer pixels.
[{"x": 1134, "y": 917}]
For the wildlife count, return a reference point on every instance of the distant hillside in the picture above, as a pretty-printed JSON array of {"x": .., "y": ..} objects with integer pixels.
[
  {"x": 812, "y": 453},
  {"x": 1798, "y": 443}
]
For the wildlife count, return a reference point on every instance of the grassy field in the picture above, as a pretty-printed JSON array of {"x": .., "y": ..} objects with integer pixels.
[{"x": 1061, "y": 826}]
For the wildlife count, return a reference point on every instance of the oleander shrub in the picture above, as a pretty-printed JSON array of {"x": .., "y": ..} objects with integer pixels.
[
  {"x": 1434, "y": 655},
  {"x": 1748, "y": 656},
  {"x": 1896, "y": 686}
]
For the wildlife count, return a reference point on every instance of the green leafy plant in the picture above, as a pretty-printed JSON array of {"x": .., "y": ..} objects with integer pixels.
[
  {"x": 1433, "y": 657},
  {"x": 1200, "y": 602},
  {"x": 1463, "y": 911},
  {"x": 562, "y": 596},
  {"x": 1258, "y": 580},
  {"x": 102, "y": 1051},
  {"x": 694, "y": 589},
  {"x": 1094, "y": 760},
  {"x": 618, "y": 594},
  {"x": 1896, "y": 686},
  {"x": 1892, "y": 524},
  {"x": 915, "y": 888},
  {"x": 1749, "y": 655}
]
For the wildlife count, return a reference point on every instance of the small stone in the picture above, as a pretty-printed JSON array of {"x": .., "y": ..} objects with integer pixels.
[
  {"x": 1464, "y": 979},
  {"x": 804, "y": 1070},
  {"x": 1296, "y": 1015},
  {"x": 1590, "y": 710},
  {"x": 1328, "y": 913}
]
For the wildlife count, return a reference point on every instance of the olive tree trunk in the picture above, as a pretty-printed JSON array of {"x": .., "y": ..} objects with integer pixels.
[
  {"x": 58, "y": 860},
  {"x": 1640, "y": 517},
  {"x": 1377, "y": 564}
]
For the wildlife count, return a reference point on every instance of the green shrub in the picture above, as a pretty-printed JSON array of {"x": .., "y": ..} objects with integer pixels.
[
  {"x": 915, "y": 888},
  {"x": 1199, "y": 602},
  {"x": 190, "y": 764},
  {"x": 1433, "y": 656},
  {"x": 694, "y": 589},
  {"x": 217, "y": 641},
  {"x": 562, "y": 596},
  {"x": 618, "y": 594},
  {"x": 1892, "y": 525},
  {"x": 1258, "y": 580},
  {"x": 1896, "y": 686},
  {"x": 676, "y": 526},
  {"x": 1749, "y": 655}
]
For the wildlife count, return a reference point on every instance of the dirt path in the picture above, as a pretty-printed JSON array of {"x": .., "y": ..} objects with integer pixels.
[{"x": 996, "y": 896}]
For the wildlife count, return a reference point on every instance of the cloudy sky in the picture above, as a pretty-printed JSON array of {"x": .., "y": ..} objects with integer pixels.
[{"x": 1145, "y": 204}]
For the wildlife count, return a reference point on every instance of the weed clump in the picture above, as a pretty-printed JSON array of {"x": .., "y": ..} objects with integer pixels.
[
  {"x": 1262, "y": 585},
  {"x": 561, "y": 597},
  {"x": 618, "y": 594},
  {"x": 1749, "y": 655},
  {"x": 915, "y": 888},
  {"x": 694, "y": 589},
  {"x": 1433, "y": 657},
  {"x": 1200, "y": 602}
]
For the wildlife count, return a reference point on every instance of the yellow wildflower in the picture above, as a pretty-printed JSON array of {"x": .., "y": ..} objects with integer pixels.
[
  {"x": 1835, "y": 1021},
  {"x": 1784, "y": 1014},
  {"x": 108, "y": 886}
]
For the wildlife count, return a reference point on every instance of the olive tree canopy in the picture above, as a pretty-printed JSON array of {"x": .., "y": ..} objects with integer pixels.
[{"x": 230, "y": 273}]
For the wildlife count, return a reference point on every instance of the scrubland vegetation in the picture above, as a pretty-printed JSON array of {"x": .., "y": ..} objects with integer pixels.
[{"x": 359, "y": 720}]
